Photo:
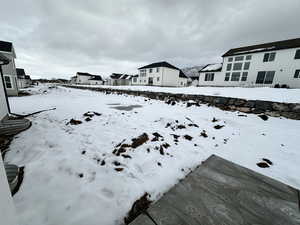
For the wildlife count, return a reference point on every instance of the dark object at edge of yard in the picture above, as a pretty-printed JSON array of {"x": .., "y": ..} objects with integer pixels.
[
  {"x": 262, "y": 165},
  {"x": 268, "y": 161},
  {"x": 139, "y": 206},
  {"x": 74, "y": 122},
  {"x": 263, "y": 117}
]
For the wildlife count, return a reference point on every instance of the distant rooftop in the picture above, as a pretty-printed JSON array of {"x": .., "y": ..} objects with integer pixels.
[
  {"x": 271, "y": 46},
  {"x": 217, "y": 67}
]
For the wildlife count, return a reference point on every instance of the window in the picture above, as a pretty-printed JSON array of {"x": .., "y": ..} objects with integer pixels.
[
  {"x": 157, "y": 70},
  {"x": 237, "y": 66},
  {"x": 265, "y": 77},
  {"x": 227, "y": 76},
  {"x": 230, "y": 59},
  {"x": 134, "y": 79},
  {"x": 248, "y": 57},
  {"x": 297, "y": 74},
  {"x": 229, "y": 66},
  {"x": 246, "y": 65},
  {"x": 297, "y": 55},
  {"x": 150, "y": 70},
  {"x": 269, "y": 57},
  {"x": 8, "y": 83},
  {"x": 235, "y": 76},
  {"x": 239, "y": 58},
  {"x": 157, "y": 78},
  {"x": 244, "y": 76},
  {"x": 209, "y": 76},
  {"x": 181, "y": 83},
  {"x": 142, "y": 73}
]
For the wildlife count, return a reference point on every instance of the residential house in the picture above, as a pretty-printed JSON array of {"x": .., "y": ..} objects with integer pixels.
[
  {"x": 134, "y": 79},
  {"x": 262, "y": 65},
  {"x": 9, "y": 70},
  {"x": 208, "y": 74},
  {"x": 119, "y": 79},
  {"x": 7, "y": 210},
  {"x": 23, "y": 80},
  {"x": 87, "y": 78},
  {"x": 161, "y": 74}
]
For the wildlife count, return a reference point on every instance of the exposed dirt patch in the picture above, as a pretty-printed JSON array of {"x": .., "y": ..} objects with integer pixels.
[
  {"x": 88, "y": 119},
  {"x": 218, "y": 127},
  {"x": 157, "y": 137},
  {"x": 204, "y": 134},
  {"x": 139, "y": 206},
  {"x": 193, "y": 125},
  {"x": 119, "y": 169},
  {"x": 127, "y": 108},
  {"x": 188, "y": 137},
  {"x": 263, "y": 117},
  {"x": 135, "y": 142},
  {"x": 74, "y": 122},
  {"x": 214, "y": 120}
]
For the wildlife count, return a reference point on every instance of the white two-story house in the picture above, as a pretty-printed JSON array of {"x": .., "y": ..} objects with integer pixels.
[
  {"x": 260, "y": 65},
  {"x": 87, "y": 78},
  {"x": 9, "y": 70},
  {"x": 160, "y": 74}
]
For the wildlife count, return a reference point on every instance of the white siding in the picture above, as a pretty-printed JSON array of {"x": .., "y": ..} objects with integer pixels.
[
  {"x": 284, "y": 66},
  {"x": 7, "y": 210},
  {"x": 3, "y": 105},
  {"x": 83, "y": 79}
]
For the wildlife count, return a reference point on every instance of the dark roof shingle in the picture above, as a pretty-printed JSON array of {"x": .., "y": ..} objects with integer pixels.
[
  {"x": 159, "y": 64},
  {"x": 5, "y": 46},
  {"x": 271, "y": 46}
]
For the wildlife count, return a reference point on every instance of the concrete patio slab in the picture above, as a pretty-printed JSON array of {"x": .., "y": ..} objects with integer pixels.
[{"x": 221, "y": 192}]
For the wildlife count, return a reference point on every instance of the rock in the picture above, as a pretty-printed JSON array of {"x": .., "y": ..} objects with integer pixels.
[
  {"x": 74, "y": 122},
  {"x": 281, "y": 107},
  {"x": 244, "y": 109},
  {"x": 263, "y": 105},
  {"x": 262, "y": 165},
  {"x": 263, "y": 117}
]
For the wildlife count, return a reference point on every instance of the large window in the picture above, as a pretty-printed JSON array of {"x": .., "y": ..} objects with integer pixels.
[
  {"x": 244, "y": 76},
  {"x": 237, "y": 66},
  {"x": 248, "y": 57},
  {"x": 209, "y": 76},
  {"x": 235, "y": 76},
  {"x": 297, "y": 55},
  {"x": 230, "y": 59},
  {"x": 157, "y": 70},
  {"x": 265, "y": 77},
  {"x": 227, "y": 76},
  {"x": 142, "y": 73},
  {"x": 134, "y": 80},
  {"x": 8, "y": 83},
  {"x": 246, "y": 65},
  {"x": 269, "y": 57},
  {"x": 297, "y": 74},
  {"x": 229, "y": 66},
  {"x": 239, "y": 58},
  {"x": 150, "y": 70}
]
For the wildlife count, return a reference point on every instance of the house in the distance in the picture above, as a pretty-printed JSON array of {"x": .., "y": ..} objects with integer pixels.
[
  {"x": 119, "y": 79},
  {"x": 262, "y": 65},
  {"x": 208, "y": 74},
  {"x": 161, "y": 74},
  {"x": 87, "y": 78},
  {"x": 23, "y": 80},
  {"x": 9, "y": 70}
]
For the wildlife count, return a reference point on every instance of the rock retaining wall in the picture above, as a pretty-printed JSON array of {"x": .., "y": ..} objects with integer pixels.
[{"x": 274, "y": 109}]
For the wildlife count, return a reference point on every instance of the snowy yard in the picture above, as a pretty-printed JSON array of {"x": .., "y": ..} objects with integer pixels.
[
  {"x": 78, "y": 174},
  {"x": 264, "y": 93}
]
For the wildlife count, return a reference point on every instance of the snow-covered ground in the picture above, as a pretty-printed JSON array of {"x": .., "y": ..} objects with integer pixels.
[
  {"x": 70, "y": 170},
  {"x": 263, "y": 93}
]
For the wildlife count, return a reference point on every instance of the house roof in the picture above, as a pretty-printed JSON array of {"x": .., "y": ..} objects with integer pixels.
[
  {"x": 159, "y": 64},
  {"x": 84, "y": 74},
  {"x": 271, "y": 46},
  {"x": 216, "y": 67},
  {"x": 164, "y": 64},
  {"x": 116, "y": 75},
  {"x": 20, "y": 72},
  {"x": 6, "y": 46},
  {"x": 96, "y": 77},
  {"x": 3, "y": 60}
]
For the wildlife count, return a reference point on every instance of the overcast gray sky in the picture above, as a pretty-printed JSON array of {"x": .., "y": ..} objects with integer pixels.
[{"x": 57, "y": 38}]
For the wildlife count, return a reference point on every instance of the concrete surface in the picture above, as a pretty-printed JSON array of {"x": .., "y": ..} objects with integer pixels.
[{"x": 222, "y": 193}]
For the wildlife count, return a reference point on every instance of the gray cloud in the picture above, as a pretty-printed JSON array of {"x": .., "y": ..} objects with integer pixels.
[{"x": 57, "y": 38}]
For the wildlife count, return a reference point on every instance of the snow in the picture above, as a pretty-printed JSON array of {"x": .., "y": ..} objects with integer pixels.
[
  {"x": 263, "y": 93},
  {"x": 53, "y": 193},
  {"x": 212, "y": 67},
  {"x": 255, "y": 50}
]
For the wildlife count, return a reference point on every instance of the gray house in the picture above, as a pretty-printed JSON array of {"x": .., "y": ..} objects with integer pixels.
[{"x": 9, "y": 70}]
